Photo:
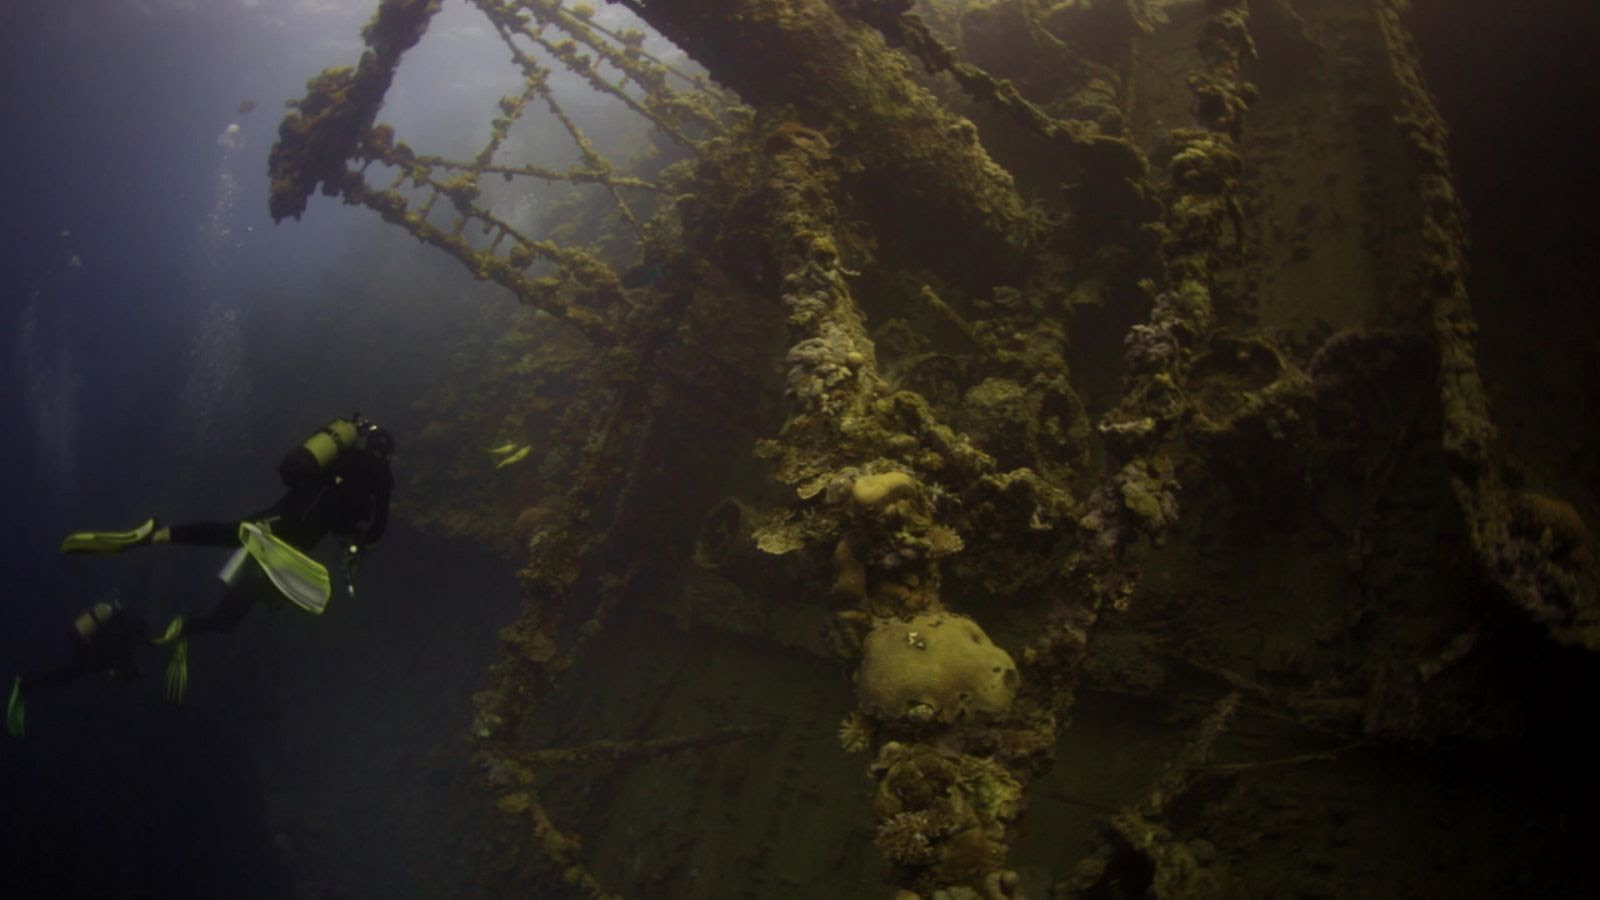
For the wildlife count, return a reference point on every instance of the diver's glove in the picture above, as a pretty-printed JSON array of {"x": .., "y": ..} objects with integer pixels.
[
  {"x": 177, "y": 672},
  {"x": 110, "y": 541},
  {"x": 16, "y": 710}
]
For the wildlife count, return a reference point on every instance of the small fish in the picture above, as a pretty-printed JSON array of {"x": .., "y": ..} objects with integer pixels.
[
  {"x": 516, "y": 457},
  {"x": 245, "y": 106},
  {"x": 503, "y": 449}
]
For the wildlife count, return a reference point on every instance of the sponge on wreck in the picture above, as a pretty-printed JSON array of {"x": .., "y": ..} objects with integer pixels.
[{"x": 935, "y": 667}]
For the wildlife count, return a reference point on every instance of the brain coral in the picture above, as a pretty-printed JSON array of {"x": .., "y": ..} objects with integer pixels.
[{"x": 937, "y": 666}]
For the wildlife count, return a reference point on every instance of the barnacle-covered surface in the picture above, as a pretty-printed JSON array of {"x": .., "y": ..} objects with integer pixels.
[{"x": 1130, "y": 335}]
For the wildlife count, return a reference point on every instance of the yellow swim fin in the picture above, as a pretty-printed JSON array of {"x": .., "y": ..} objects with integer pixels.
[
  {"x": 16, "y": 710},
  {"x": 173, "y": 632},
  {"x": 178, "y": 672},
  {"x": 109, "y": 541},
  {"x": 301, "y": 579},
  {"x": 503, "y": 449}
]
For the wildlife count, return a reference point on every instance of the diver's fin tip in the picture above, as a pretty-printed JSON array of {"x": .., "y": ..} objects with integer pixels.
[
  {"x": 177, "y": 680},
  {"x": 174, "y": 631},
  {"x": 110, "y": 541},
  {"x": 16, "y": 710}
]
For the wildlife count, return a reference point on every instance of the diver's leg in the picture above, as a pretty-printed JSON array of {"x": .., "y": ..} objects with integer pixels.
[
  {"x": 229, "y": 612},
  {"x": 78, "y": 664},
  {"x": 151, "y": 531},
  {"x": 64, "y": 674},
  {"x": 16, "y": 702},
  {"x": 199, "y": 534}
]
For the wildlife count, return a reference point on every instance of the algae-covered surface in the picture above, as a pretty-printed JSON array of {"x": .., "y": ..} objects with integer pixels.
[
  {"x": 1275, "y": 594},
  {"x": 989, "y": 450}
]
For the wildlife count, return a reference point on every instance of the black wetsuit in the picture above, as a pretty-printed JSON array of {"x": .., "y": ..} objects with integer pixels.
[
  {"x": 351, "y": 499},
  {"x": 103, "y": 638}
]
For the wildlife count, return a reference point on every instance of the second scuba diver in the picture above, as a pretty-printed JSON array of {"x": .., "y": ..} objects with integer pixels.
[
  {"x": 104, "y": 638},
  {"x": 338, "y": 481}
]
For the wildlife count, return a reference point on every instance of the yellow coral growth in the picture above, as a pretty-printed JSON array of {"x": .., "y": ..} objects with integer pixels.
[
  {"x": 937, "y": 666},
  {"x": 870, "y": 490}
]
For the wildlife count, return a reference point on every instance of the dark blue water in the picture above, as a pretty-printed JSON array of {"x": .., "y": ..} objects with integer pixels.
[{"x": 162, "y": 343}]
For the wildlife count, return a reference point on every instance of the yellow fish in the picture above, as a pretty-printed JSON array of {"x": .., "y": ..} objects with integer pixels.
[
  {"x": 503, "y": 449},
  {"x": 516, "y": 457}
]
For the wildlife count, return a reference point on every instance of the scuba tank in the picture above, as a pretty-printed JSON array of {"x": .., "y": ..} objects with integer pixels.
[
  {"x": 309, "y": 464},
  {"x": 306, "y": 463},
  {"x": 88, "y": 625}
]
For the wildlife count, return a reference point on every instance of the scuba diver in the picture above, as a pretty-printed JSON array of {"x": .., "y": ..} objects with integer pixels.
[
  {"x": 104, "y": 637},
  {"x": 338, "y": 481}
]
